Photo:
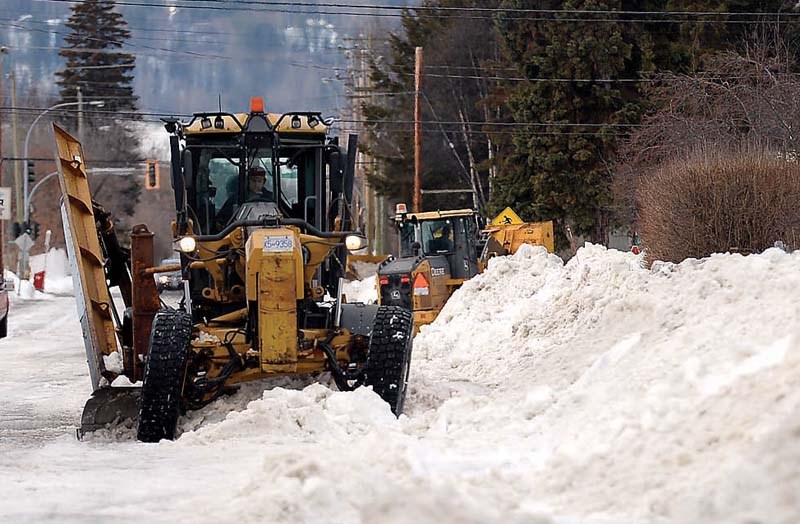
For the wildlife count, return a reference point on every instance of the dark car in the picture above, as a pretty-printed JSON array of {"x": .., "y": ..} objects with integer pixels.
[{"x": 171, "y": 279}]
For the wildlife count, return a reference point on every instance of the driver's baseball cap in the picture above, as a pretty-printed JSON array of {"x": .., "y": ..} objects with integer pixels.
[{"x": 257, "y": 171}]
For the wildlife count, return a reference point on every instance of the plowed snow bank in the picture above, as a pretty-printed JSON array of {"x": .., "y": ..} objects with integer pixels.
[
  {"x": 673, "y": 392},
  {"x": 595, "y": 391}
]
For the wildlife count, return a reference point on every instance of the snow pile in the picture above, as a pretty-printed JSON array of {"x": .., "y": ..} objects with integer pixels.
[
  {"x": 55, "y": 264},
  {"x": 592, "y": 392},
  {"x": 26, "y": 291},
  {"x": 153, "y": 140},
  {"x": 361, "y": 290},
  {"x": 667, "y": 393},
  {"x": 23, "y": 289},
  {"x": 364, "y": 269}
]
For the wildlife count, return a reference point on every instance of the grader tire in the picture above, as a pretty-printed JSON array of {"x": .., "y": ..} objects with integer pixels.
[
  {"x": 389, "y": 358},
  {"x": 160, "y": 403}
]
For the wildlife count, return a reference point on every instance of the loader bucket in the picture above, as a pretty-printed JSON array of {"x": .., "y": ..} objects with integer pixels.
[{"x": 107, "y": 406}]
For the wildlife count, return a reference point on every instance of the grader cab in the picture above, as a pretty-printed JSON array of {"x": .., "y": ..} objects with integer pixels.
[{"x": 262, "y": 225}]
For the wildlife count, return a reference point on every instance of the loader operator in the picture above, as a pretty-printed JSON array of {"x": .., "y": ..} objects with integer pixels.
[
  {"x": 256, "y": 192},
  {"x": 441, "y": 242}
]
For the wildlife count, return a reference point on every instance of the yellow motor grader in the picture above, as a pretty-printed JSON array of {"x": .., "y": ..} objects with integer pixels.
[
  {"x": 262, "y": 223},
  {"x": 440, "y": 250}
]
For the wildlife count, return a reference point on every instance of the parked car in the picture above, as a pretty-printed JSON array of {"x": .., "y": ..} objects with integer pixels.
[
  {"x": 171, "y": 279},
  {"x": 3, "y": 308}
]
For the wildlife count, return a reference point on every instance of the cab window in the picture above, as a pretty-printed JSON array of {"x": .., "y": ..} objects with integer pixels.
[
  {"x": 289, "y": 182},
  {"x": 406, "y": 238},
  {"x": 437, "y": 236},
  {"x": 224, "y": 178}
]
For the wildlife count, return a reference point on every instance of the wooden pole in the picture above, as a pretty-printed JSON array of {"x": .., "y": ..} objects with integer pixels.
[
  {"x": 80, "y": 115},
  {"x": 3, "y": 51},
  {"x": 15, "y": 143},
  {"x": 417, "y": 132}
]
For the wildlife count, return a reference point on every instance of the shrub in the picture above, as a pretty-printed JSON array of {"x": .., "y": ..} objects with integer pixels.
[{"x": 716, "y": 200}]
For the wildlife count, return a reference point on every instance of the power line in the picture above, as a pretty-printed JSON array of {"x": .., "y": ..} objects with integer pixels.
[
  {"x": 497, "y": 124},
  {"x": 132, "y": 37},
  {"x": 99, "y": 51},
  {"x": 348, "y": 121},
  {"x": 93, "y": 111},
  {"x": 505, "y": 78},
  {"x": 229, "y": 5},
  {"x": 424, "y": 8},
  {"x": 131, "y": 28},
  {"x": 437, "y": 9},
  {"x": 110, "y": 41}
]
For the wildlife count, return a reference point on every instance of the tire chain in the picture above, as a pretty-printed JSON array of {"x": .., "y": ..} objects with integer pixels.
[
  {"x": 160, "y": 402},
  {"x": 389, "y": 354}
]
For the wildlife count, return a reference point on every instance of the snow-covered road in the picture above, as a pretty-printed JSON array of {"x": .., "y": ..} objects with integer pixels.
[
  {"x": 595, "y": 392},
  {"x": 43, "y": 374}
]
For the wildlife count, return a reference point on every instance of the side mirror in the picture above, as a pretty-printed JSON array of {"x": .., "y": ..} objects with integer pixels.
[
  {"x": 188, "y": 176},
  {"x": 335, "y": 162},
  {"x": 415, "y": 248}
]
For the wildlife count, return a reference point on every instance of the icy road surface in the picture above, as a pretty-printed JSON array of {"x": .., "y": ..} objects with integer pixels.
[{"x": 596, "y": 392}]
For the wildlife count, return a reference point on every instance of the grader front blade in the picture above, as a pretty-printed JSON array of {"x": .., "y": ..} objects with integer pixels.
[{"x": 92, "y": 295}]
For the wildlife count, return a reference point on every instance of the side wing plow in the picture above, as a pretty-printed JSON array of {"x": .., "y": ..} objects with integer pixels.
[{"x": 93, "y": 297}]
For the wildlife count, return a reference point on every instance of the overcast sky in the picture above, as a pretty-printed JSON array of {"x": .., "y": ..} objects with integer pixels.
[{"x": 186, "y": 58}]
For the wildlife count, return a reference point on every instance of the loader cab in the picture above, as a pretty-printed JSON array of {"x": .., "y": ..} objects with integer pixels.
[
  {"x": 451, "y": 234},
  {"x": 437, "y": 253}
]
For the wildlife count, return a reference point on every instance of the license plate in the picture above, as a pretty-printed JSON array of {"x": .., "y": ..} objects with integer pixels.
[{"x": 279, "y": 244}]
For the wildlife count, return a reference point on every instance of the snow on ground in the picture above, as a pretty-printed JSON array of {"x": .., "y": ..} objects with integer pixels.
[
  {"x": 595, "y": 391},
  {"x": 58, "y": 279}
]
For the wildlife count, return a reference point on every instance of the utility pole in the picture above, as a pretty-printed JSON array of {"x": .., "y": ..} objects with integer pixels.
[
  {"x": 417, "y": 132},
  {"x": 80, "y": 114},
  {"x": 3, "y": 51},
  {"x": 15, "y": 144},
  {"x": 376, "y": 204}
]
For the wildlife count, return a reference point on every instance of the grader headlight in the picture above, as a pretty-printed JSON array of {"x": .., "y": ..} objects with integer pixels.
[
  {"x": 355, "y": 242},
  {"x": 187, "y": 245}
]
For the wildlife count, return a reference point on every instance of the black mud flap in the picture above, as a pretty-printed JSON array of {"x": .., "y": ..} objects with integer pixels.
[{"x": 358, "y": 318}]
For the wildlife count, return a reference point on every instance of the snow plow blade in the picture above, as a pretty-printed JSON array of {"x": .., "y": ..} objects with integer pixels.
[
  {"x": 94, "y": 268},
  {"x": 108, "y": 406}
]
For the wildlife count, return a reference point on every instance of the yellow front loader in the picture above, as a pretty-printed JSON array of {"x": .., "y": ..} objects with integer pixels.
[
  {"x": 440, "y": 250},
  {"x": 261, "y": 223}
]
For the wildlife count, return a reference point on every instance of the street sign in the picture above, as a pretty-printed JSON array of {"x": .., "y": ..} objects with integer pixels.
[
  {"x": 507, "y": 217},
  {"x": 5, "y": 203},
  {"x": 24, "y": 242}
]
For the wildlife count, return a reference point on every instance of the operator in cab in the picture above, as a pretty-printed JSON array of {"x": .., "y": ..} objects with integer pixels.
[
  {"x": 443, "y": 241},
  {"x": 257, "y": 191}
]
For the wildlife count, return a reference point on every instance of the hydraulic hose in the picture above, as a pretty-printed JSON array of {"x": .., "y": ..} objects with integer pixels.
[{"x": 339, "y": 376}]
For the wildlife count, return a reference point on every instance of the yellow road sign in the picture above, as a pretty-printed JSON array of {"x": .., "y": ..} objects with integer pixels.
[{"x": 507, "y": 217}]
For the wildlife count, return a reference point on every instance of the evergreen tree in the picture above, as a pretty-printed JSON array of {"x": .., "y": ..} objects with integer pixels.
[
  {"x": 562, "y": 170},
  {"x": 95, "y": 61}
]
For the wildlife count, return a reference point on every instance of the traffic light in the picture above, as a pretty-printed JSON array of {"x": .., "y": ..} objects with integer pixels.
[
  {"x": 31, "y": 228},
  {"x": 31, "y": 171},
  {"x": 151, "y": 178}
]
